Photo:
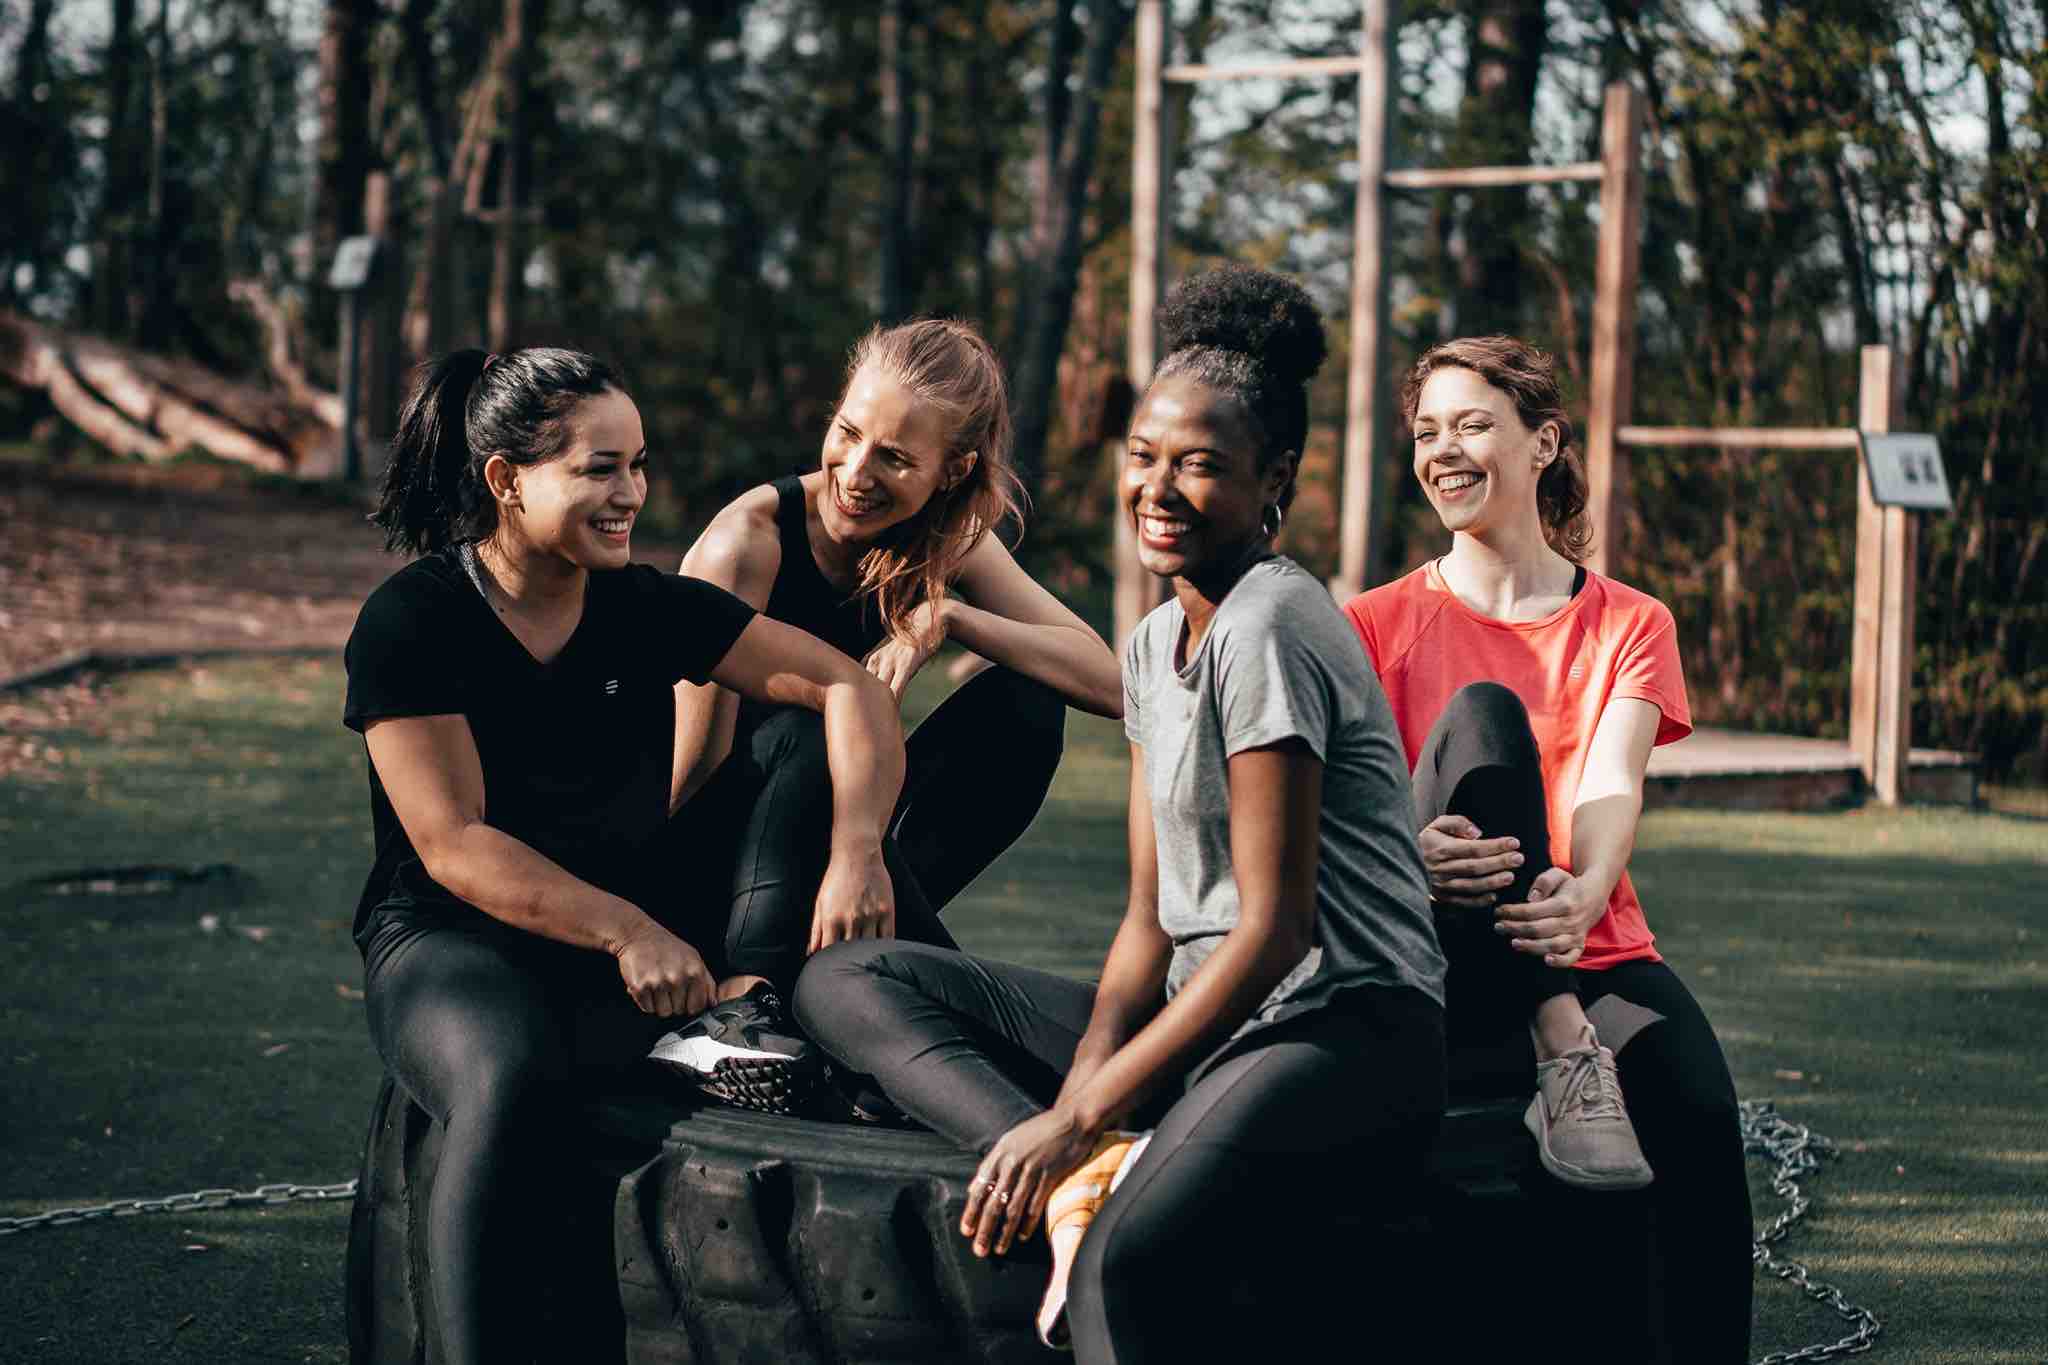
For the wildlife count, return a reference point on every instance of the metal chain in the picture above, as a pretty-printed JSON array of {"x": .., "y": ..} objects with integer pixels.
[
  {"x": 195, "y": 1200},
  {"x": 1798, "y": 1151}
]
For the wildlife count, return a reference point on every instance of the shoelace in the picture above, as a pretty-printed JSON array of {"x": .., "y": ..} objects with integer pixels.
[{"x": 1591, "y": 1087}]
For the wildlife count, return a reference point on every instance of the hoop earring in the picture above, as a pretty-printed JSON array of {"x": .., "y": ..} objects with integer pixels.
[{"x": 1277, "y": 515}]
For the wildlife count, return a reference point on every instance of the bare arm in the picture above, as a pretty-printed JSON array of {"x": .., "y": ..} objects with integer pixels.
[
  {"x": 740, "y": 552},
  {"x": 1009, "y": 618},
  {"x": 434, "y": 779},
  {"x": 1563, "y": 904},
  {"x": 1275, "y": 814},
  {"x": 775, "y": 662},
  {"x": 1134, "y": 976},
  {"x": 1276, "y": 800}
]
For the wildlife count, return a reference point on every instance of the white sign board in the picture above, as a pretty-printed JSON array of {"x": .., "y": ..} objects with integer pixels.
[
  {"x": 1905, "y": 470},
  {"x": 352, "y": 261}
]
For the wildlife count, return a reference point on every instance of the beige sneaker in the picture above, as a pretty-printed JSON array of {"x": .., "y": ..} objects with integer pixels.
[{"x": 1582, "y": 1132}]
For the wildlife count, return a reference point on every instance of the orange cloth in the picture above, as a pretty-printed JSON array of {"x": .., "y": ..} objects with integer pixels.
[{"x": 1609, "y": 641}]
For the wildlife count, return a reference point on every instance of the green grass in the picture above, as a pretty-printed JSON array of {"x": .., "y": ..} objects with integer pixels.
[{"x": 1894, "y": 961}]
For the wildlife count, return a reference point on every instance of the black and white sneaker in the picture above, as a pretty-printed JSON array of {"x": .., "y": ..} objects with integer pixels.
[{"x": 742, "y": 1052}]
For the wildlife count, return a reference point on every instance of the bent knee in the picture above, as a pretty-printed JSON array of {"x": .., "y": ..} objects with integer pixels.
[
  {"x": 1492, "y": 704},
  {"x": 835, "y": 983},
  {"x": 506, "y": 1084},
  {"x": 1024, "y": 703}
]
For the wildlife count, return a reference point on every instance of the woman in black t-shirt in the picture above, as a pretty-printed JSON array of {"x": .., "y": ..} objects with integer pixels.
[
  {"x": 514, "y": 687},
  {"x": 886, "y": 550}
]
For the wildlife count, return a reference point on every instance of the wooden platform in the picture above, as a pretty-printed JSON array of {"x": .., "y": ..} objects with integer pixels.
[{"x": 1744, "y": 771}]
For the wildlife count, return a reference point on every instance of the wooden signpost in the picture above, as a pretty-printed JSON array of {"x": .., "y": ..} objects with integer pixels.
[{"x": 354, "y": 259}]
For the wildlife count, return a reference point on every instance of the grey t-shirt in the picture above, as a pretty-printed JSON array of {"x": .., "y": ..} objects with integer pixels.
[{"x": 1280, "y": 662}]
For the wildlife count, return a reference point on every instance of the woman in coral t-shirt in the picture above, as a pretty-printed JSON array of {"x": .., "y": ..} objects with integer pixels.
[{"x": 1529, "y": 693}]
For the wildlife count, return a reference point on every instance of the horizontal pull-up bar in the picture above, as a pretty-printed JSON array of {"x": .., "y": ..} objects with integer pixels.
[
  {"x": 1760, "y": 438},
  {"x": 1302, "y": 66},
  {"x": 1481, "y": 177}
]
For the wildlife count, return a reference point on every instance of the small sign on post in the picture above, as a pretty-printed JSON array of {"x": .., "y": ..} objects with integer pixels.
[
  {"x": 1906, "y": 470},
  {"x": 354, "y": 260}
]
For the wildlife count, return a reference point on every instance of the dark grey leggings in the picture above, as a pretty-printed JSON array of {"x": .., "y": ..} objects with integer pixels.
[
  {"x": 977, "y": 770},
  {"x": 1481, "y": 761},
  {"x": 1326, "y": 1113}
]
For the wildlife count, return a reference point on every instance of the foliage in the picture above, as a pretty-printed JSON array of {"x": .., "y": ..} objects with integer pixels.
[{"x": 723, "y": 194}]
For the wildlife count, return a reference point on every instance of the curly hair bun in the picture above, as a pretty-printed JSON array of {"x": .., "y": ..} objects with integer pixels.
[{"x": 1255, "y": 312}]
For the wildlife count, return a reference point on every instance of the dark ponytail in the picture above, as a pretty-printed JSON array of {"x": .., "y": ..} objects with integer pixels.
[{"x": 464, "y": 408}]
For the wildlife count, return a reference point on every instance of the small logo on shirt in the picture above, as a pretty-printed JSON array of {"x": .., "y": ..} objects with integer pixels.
[
  {"x": 1578, "y": 672},
  {"x": 611, "y": 687}
]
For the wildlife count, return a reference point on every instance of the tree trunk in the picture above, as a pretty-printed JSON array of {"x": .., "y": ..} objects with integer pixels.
[
  {"x": 342, "y": 153},
  {"x": 29, "y": 179},
  {"x": 1051, "y": 299},
  {"x": 1496, "y": 127},
  {"x": 899, "y": 118},
  {"x": 508, "y": 228}
]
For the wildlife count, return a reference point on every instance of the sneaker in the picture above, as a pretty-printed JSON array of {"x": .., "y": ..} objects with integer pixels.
[
  {"x": 1583, "y": 1135},
  {"x": 742, "y": 1052}
]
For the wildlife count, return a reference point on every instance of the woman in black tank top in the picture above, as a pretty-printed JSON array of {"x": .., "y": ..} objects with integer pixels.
[{"x": 885, "y": 551}]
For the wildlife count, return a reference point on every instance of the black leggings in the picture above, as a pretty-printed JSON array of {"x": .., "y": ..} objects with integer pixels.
[
  {"x": 1325, "y": 1113},
  {"x": 978, "y": 770},
  {"x": 489, "y": 1029},
  {"x": 1481, "y": 761}
]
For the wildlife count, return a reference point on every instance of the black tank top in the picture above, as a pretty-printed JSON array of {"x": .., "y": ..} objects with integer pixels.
[{"x": 803, "y": 598}]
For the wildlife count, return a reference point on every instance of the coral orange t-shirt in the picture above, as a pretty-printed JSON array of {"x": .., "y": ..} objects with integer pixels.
[{"x": 1609, "y": 641}]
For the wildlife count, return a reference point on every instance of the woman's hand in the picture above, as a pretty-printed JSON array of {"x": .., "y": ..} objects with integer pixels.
[
  {"x": 664, "y": 975},
  {"x": 1464, "y": 868},
  {"x": 1017, "y": 1177},
  {"x": 855, "y": 900},
  {"x": 1555, "y": 918},
  {"x": 897, "y": 659}
]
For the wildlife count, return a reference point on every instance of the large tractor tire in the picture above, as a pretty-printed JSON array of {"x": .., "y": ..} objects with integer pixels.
[{"x": 711, "y": 1236}]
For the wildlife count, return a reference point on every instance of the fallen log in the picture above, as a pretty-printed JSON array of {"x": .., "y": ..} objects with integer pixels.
[{"x": 155, "y": 407}]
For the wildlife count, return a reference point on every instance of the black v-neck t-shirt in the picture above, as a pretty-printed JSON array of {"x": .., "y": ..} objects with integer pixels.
[{"x": 577, "y": 753}]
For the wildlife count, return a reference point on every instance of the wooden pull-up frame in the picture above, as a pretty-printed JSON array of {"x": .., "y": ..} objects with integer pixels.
[
  {"x": 1618, "y": 173},
  {"x": 1882, "y": 648}
]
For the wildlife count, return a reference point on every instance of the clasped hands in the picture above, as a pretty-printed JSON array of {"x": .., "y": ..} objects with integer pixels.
[{"x": 1469, "y": 870}]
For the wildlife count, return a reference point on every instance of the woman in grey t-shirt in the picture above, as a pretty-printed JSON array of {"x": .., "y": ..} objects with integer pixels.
[{"x": 1273, "y": 998}]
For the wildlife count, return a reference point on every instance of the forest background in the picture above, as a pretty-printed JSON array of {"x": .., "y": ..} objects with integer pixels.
[{"x": 723, "y": 194}]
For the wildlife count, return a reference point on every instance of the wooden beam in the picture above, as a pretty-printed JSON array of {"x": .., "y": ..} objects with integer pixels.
[
  {"x": 1357, "y": 508},
  {"x": 1881, "y": 661},
  {"x": 1614, "y": 309},
  {"x": 1484, "y": 177},
  {"x": 1241, "y": 71},
  {"x": 1874, "y": 413},
  {"x": 1136, "y": 591},
  {"x": 1747, "y": 438}
]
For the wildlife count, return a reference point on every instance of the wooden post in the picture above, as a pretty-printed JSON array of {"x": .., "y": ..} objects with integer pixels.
[
  {"x": 1136, "y": 591},
  {"x": 1881, "y": 644},
  {"x": 380, "y": 330},
  {"x": 1358, "y": 508},
  {"x": 1614, "y": 309}
]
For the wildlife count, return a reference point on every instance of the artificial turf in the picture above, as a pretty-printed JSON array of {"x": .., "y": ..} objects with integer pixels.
[{"x": 1880, "y": 975}]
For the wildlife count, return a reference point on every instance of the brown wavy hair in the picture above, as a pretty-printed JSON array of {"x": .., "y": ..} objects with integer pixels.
[
  {"x": 948, "y": 364},
  {"x": 1528, "y": 376}
]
